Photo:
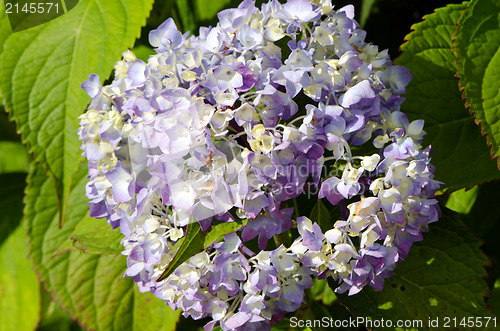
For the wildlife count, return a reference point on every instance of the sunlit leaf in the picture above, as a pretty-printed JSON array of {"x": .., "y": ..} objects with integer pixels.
[
  {"x": 433, "y": 95},
  {"x": 476, "y": 44},
  {"x": 96, "y": 237},
  {"x": 91, "y": 287},
  {"x": 41, "y": 71},
  {"x": 19, "y": 287},
  {"x": 462, "y": 200}
]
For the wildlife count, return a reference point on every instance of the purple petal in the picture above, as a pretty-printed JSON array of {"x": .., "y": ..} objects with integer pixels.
[
  {"x": 122, "y": 184},
  {"x": 360, "y": 93}
]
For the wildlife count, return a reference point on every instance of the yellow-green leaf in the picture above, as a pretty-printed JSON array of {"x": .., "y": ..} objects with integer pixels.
[
  {"x": 19, "y": 287},
  {"x": 90, "y": 287},
  {"x": 42, "y": 68}
]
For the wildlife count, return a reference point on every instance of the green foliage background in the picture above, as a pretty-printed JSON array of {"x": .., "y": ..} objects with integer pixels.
[{"x": 62, "y": 270}]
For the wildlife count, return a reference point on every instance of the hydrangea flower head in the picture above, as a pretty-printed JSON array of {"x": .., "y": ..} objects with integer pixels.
[{"x": 270, "y": 105}]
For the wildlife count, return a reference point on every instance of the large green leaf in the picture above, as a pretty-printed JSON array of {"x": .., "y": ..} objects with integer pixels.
[
  {"x": 19, "y": 287},
  {"x": 7, "y": 129},
  {"x": 91, "y": 287},
  {"x": 433, "y": 95},
  {"x": 5, "y": 29},
  {"x": 96, "y": 237},
  {"x": 476, "y": 43},
  {"x": 442, "y": 276},
  {"x": 42, "y": 68}
]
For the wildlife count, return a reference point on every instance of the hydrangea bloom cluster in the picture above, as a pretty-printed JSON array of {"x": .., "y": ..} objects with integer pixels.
[{"x": 233, "y": 124}]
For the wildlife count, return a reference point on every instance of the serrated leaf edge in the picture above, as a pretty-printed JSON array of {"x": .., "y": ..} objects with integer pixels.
[
  {"x": 36, "y": 161},
  {"x": 31, "y": 149},
  {"x": 408, "y": 38},
  {"x": 38, "y": 273},
  {"x": 463, "y": 89}
]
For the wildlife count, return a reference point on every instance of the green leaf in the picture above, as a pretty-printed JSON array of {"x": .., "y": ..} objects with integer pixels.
[
  {"x": 97, "y": 237},
  {"x": 160, "y": 12},
  {"x": 41, "y": 71},
  {"x": 434, "y": 96},
  {"x": 442, "y": 276},
  {"x": 11, "y": 203},
  {"x": 483, "y": 220},
  {"x": 484, "y": 215},
  {"x": 70, "y": 4},
  {"x": 321, "y": 215},
  {"x": 476, "y": 44},
  {"x": 192, "y": 244},
  {"x": 7, "y": 128},
  {"x": 366, "y": 8},
  {"x": 462, "y": 200},
  {"x": 52, "y": 317},
  {"x": 320, "y": 291},
  {"x": 143, "y": 52},
  {"x": 195, "y": 241},
  {"x": 13, "y": 157},
  {"x": 207, "y": 10},
  {"x": 221, "y": 229},
  {"x": 5, "y": 29},
  {"x": 19, "y": 287},
  {"x": 187, "y": 12},
  {"x": 90, "y": 287}
]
